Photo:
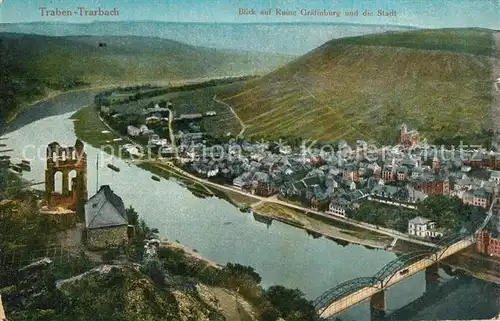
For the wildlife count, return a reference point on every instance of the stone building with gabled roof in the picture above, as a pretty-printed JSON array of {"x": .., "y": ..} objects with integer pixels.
[{"x": 106, "y": 220}]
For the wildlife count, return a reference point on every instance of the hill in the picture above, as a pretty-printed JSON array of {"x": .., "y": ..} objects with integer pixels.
[
  {"x": 294, "y": 38},
  {"x": 35, "y": 65},
  {"x": 439, "y": 81}
]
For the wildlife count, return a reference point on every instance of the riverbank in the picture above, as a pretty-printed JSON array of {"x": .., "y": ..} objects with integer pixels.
[
  {"x": 191, "y": 253},
  {"x": 51, "y": 94},
  {"x": 477, "y": 265},
  {"x": 332, "y": 231}
]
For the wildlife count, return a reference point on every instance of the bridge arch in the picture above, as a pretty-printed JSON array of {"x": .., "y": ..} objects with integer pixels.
[
  {"x": 341, "y": 290},
  {"x": 447, "y": 241},
  {"x": 386, "y": 273},
  {"x": 398, "y": 263}
]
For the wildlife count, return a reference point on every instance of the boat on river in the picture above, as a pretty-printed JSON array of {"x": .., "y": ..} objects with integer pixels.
[
  {"x": 16, "y": 168},
  {"x": 155, "y": 178},
  {"x": 24, "y": 166},
  {"x": 113, "y": 167}
]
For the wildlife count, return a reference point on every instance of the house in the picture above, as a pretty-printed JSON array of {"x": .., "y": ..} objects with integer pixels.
[
  {"x": 387, "y": 192},
  {"x": 104, "y": 110},
  {"x": 106, "y": 222},
  {"x": 432, "y": 185},
  {"x": 495, "y": 177},
  {"x": 477, "y": 197},
  {"x": 152, "y": 120},
  {"x": 156, "y": 111},
  {"x": 133, "y": 131},
  {"x": 402, "y": 173},
  {"x": 415, "y": 195},
  {"x": 350, "y": 173},
  {"x": 190, "y": 116},
  {"x": 420, "y": 226},
  {"x": 242, "y": 180},
  {"x": 488, "y": 241},
  {"x": 338, "y": 207},
  {"x": 210, "y": 113},
  {"x": 389, "y": 173},
  {"x": 145, "y": 130}
]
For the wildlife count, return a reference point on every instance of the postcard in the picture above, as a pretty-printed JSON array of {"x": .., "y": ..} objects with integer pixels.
[{"x": 296, "y": 160}]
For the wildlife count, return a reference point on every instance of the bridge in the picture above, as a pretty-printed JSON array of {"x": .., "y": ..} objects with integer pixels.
[{"x": 352, "y": 292}]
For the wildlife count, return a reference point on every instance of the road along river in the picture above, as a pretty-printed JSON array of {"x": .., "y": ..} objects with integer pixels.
[{"x": 280, "y": 253}]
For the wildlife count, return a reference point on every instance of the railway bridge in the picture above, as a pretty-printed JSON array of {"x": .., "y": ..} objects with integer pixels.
[{"x": 352, "y": 292}]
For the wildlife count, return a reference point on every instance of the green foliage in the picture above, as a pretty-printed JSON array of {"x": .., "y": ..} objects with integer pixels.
[
  {"x": 154, "y": 269},
  {"x": 451, "y": 212},
  {"x": 238, "y": 269},
  {"x": 383, "y": 215},
  {"x": 290, "y": 304},
  {"x": 481, "y": 138},
  {"x": 110, "y": 255}
]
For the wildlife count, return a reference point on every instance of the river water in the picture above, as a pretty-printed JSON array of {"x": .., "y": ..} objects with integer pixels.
[{"x": 281, "y": 254}]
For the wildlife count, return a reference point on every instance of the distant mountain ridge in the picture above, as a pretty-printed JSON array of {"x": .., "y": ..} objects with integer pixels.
[
  {"x": 295, "y": 38},
  {"x": 35, "y": 65}
]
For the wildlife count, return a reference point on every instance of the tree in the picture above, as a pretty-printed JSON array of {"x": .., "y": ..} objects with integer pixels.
[
  {"x": 290, "y": 303},
  {"x": 132, "y": 216}
]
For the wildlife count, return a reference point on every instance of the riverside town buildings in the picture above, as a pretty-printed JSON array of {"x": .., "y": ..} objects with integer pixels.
[
  {"x": 423, "y": 227},
  {"x": 488, "y": 241},
  {"x": 337, "y": 180}
]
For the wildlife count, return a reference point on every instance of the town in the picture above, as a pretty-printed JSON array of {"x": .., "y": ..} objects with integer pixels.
[{"x": 405, "y": 187}]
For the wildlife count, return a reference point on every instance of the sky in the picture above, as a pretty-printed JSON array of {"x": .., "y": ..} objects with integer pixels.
[{"x": 418, "y": 13}]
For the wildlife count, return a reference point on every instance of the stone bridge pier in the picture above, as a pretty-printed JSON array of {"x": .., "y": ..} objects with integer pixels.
[
  {"x": 377, "y": 306},
  {"x": 432, "y": 278}
]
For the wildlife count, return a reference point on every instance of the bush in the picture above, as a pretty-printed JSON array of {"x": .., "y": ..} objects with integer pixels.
[{"x": 110, "y": 255}]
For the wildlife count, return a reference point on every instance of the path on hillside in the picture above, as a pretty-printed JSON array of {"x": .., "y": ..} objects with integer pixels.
[
  {"x": 243, "y": 126},
  {"x": 495, "y": 91}
]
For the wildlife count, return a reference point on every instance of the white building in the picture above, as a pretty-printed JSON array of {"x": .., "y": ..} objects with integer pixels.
[
  {"x": 338, "y": 207},
  {"x": 420, "y": 226},
  {"x": 495, "y": 177},
  {"x": 145, "y": 130},
  {"x": 133, "y": 131},
  {"x": 104, "y": 109}
]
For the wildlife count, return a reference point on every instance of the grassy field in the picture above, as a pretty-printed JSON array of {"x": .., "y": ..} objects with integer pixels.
[
  {"x": 90, "y": 129},
  {"x": 195, "y": 101},
  {"x": 437, "y": 81},
  {"x": 328, "y": 227},
  {"x": 36, "y": 65}
]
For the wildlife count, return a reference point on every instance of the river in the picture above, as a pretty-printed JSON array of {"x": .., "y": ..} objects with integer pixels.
[{"x": 281, "y": 254}]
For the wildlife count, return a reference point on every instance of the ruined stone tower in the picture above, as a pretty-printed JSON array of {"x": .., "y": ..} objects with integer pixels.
[{"x": 70, "y": 164}]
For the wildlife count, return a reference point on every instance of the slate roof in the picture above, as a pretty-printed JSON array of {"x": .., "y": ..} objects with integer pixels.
[
  {"x": 419, "y": 220},
  {"x": 312, "y": 181},
  {"x": 105, "y": 209}
]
